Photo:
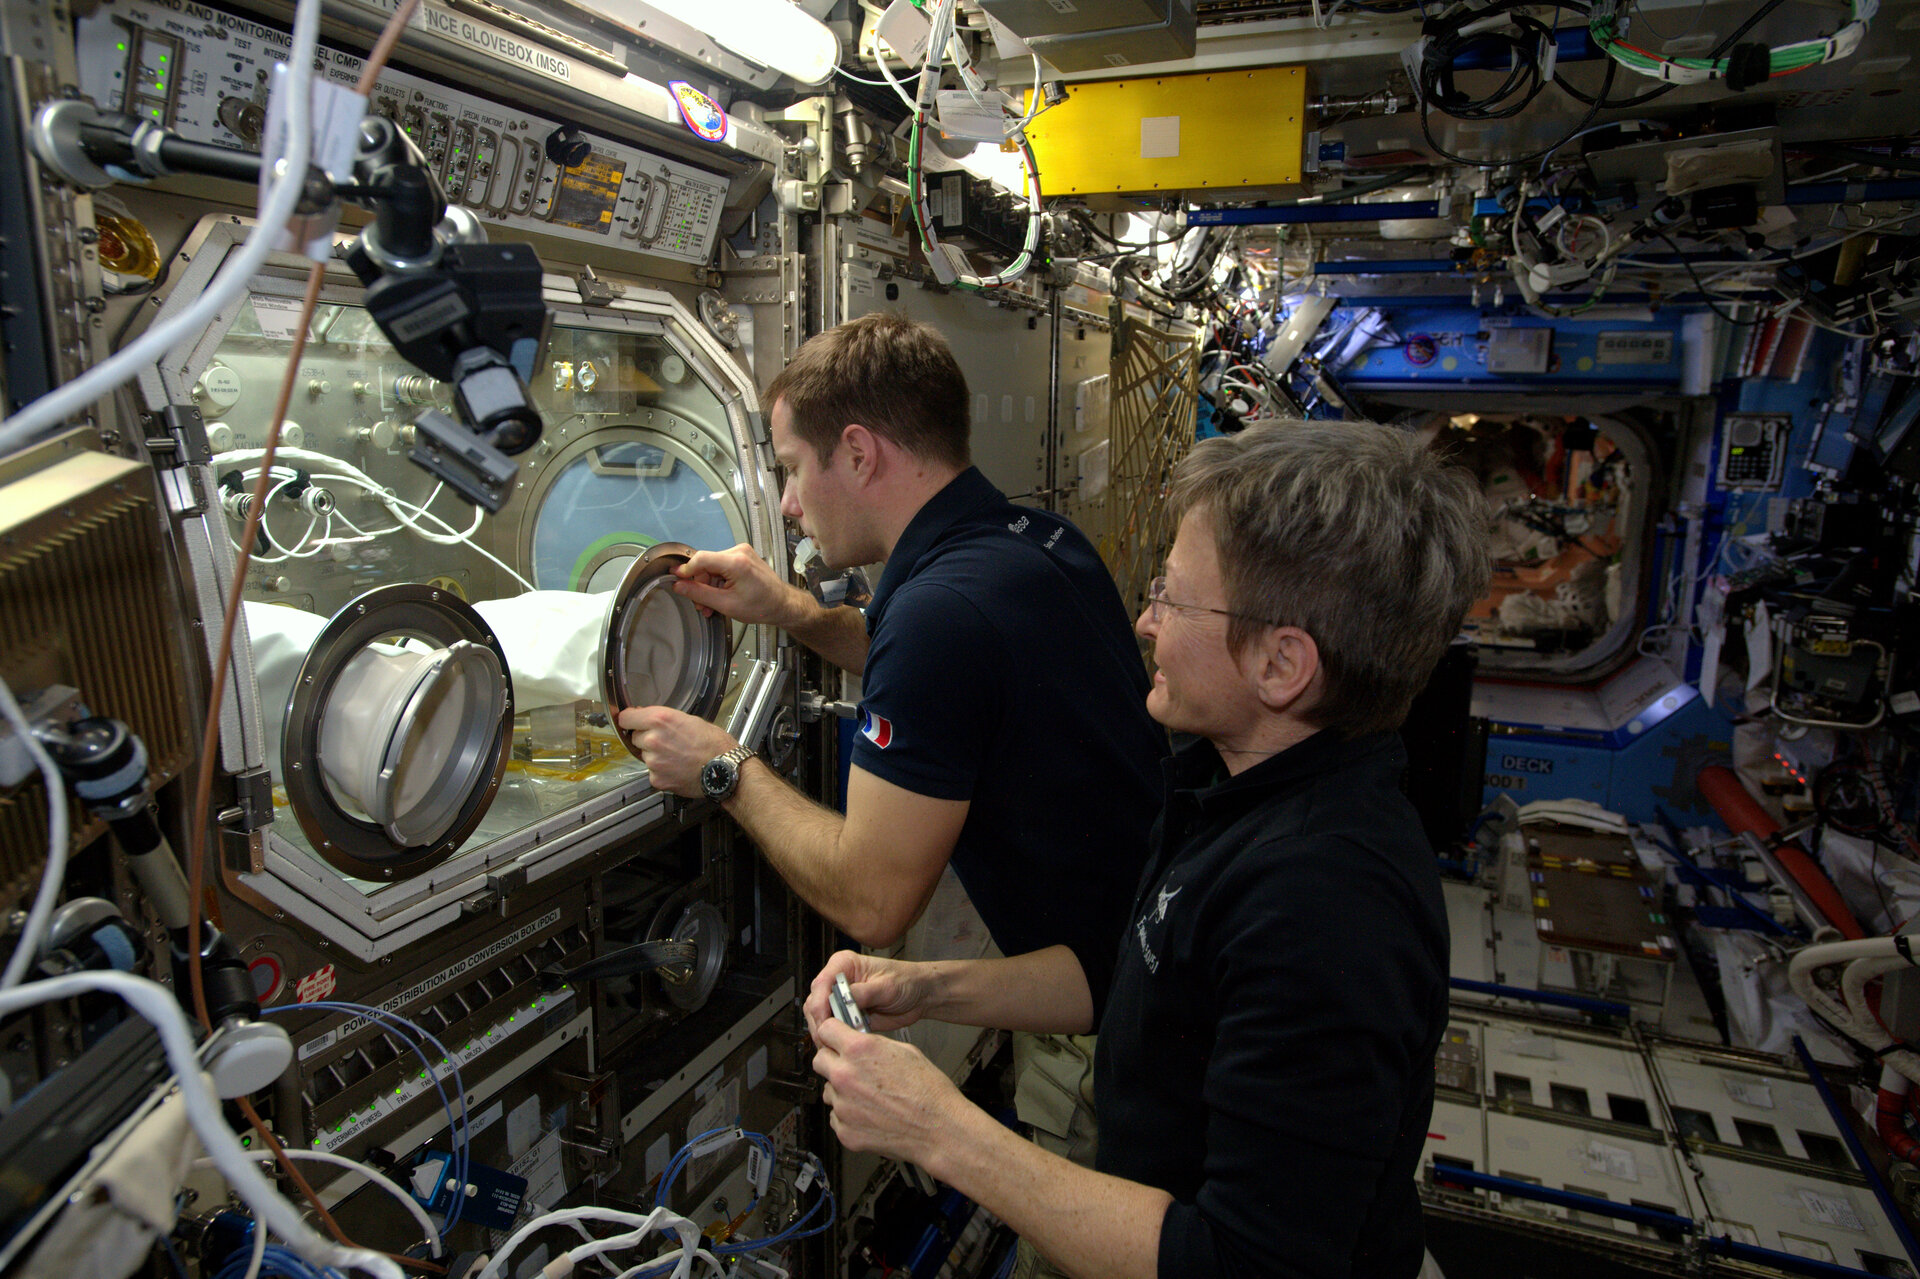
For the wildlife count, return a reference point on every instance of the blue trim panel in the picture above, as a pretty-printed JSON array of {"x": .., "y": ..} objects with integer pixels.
[
  {"x": 1563, "y": 1198},
  {"x": 1579, "y": 1002}
]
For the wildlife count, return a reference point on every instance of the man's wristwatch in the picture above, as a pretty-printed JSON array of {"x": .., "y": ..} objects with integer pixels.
[{"x": 720, "y": 776}]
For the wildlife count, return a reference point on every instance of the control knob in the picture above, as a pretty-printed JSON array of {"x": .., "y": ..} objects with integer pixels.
[{"x": 568, "y": 147}]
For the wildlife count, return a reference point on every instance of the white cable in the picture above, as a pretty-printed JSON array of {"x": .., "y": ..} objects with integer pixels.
[
  {"x": 657, "y": 1219},
  {"x": 378, "y": 1178},
  {"x": 1034, "y": 108},
  {"x": 34, "y": 932},
  {"x": 354, "y": 475},
  {"x": 294, "y": 553},
  {"x": 289, "y": 477},
  {"x": 684, "y": 1268},
  {"x": 364, "y": 535},
  {"x": 156, "y": 1004},
  {"x": 614, "y": 1243},
  {"x": 259, "y": 1255},
  {"x": 320, "y": 543},
  {"x": 945, "y": 268},
  {"x": 1800, "y": 974},
  {"x": 395, "y": 504},
  {"x": 1853, "y": 983},
  {"x": 472, "y": 528},
  {"x": 1585, "y": 219},
  {"x": 898, "y": 88},
  {"x": 55, "y": 407},
  {"x": 880, "y": 60}
]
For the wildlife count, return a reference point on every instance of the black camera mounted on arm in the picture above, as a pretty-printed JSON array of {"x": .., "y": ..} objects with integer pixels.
[{"x": 459, "y": 309}]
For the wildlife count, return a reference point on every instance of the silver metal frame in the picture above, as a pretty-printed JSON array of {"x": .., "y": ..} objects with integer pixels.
[
  {"x": 369, "y": 926},
  {"x": 349, "y": 844},
  {"x": 642, "y": 581}
]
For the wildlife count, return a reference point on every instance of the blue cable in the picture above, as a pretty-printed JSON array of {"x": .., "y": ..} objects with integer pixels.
[
  {"x": 795, "y": 1231},
  {"x": 459, "y": 1130},
  {"x": 173, "y": 1255},
  {"x": 800, "y": 1229},
  {"x": 459, "y": 1134},
  {"x": 275, "y": 1260},
  {"x": 683, "y": 1156}
]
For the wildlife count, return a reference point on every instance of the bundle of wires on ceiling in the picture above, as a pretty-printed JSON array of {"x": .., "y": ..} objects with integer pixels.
[
  {"x": 1200, "y": 269},
  {"x": 1739, "y": 66},
  {"x": 1719, "y": 50},
  {"x": 1504, "y": 29},
  {"x": 1244, "y": 391},
  {"x": 948, "y": 261},
  {"x": 1511, "y": 29},
  {"x": 1560, "y": 250},
  {"x": 1239, "y": 387},
  {"x": 1195, "y": 269}
]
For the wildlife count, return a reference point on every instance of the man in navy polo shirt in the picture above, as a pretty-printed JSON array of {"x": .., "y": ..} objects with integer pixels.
[{"x": 1002, "y": 715}]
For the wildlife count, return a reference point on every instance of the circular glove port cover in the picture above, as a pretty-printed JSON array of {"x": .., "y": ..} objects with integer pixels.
[
  {"x": 659, "y": 650},
  {"x": 700, "y": 922},
  {"x": 397, "y": 732}
]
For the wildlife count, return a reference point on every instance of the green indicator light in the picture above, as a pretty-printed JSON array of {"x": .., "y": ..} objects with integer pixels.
[
  {"x": 122, "y": 46},
  {"x": 158, "y": 86},
  {"x": 163, "y": 57}
]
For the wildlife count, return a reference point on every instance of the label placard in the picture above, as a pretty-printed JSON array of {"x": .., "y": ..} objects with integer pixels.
[
  {"x": 1611, "y": 1161},
  {"x": 1634, "y": 348}
]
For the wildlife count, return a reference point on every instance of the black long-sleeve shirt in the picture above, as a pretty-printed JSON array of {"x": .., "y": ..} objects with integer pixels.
[{"x": 1266, "y": 1054}]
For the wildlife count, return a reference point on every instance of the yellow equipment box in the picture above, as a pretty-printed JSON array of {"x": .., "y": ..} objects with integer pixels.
[{"x": 1208, "y": 130}]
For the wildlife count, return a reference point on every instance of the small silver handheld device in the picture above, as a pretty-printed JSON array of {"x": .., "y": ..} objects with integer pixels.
[{"x": 840, "y": 999}]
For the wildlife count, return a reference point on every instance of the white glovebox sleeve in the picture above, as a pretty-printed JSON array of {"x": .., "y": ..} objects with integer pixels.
[
  {"x": 280, "y": 638},
  {"x": 552, "y": 639}
]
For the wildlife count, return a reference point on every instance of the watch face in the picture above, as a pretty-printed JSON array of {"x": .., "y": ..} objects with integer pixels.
[{"x": 716, "y": 778}]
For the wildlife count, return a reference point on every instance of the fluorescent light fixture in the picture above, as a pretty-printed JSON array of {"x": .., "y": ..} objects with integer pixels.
[{"x": 773, "y": 33}]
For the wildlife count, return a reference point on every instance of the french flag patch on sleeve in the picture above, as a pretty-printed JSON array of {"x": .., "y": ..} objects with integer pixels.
[{"x": 876, "y": 728}]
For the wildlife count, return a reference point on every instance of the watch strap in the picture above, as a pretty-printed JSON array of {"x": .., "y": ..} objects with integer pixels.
[{"x": 733, "y": 758}]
